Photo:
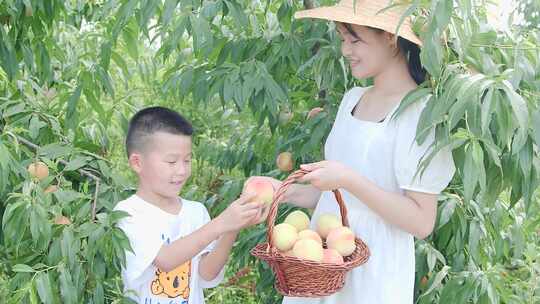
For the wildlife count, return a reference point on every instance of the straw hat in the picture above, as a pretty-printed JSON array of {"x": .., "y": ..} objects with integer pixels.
[{"x": 370, "y": 13}]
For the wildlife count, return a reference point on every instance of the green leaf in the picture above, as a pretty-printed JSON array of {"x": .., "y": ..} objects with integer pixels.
[
  {"x": 105, "y": 55},
  {"x": 71, "y": 113},
  {"x": 131, "y": 43},
  {"x": 69, "y": 294},
  {"x": 8, "y": 57},
  {"x": 412, "y": 97},
  {"x": 106, "y": 80},
  {"x": 76, "y": 163},
  {"x": 35, "y": 126},
  {"x": 202, "y": 36},
  {"x": 99, "y": 294},
  {"x": 168, "y": 11},
  {"x": 237, "y": 13},
  {"x": 475, "y": 234},
  {"x": 67, "y": 196},
  {"x": 478, "y": 159},
  {"x": 470, "y": 178},
  {"x": 124, "y": 13},
  {"x": 446, "y": 212},
  {"x": 536, "y": 127},
  {"x": 121, "y": 63},
  {"x": 485, "y": 38},
  {"x": 521, "y": 113},
  {"x": 55, "y": 150},
  {"x": 22, "y": 268},
  {"x": 438, "y": 279},
  {"x": 147, "y": 11},
  {"x": 44, "y": 288}
]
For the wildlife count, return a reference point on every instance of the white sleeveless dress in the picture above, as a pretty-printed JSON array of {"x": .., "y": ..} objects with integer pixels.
[{"x": 386, "y": 153}]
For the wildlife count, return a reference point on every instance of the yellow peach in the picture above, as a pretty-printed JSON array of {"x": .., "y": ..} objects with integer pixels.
[
  {"x": 314, "y": 112},
  {"x": 327, "y": 222},
  {"x": 284, "y": 237},
  {"x": 309, "y": 234},
  {"x": 62, "y": 220},
  {"x": 331, "y": 256},
  {"x": 284, "y": 161},
  {"x": 38, "y": 170},
  {"x": 308, "y": 249},
  {"x": 263, "y": 189},
  {"x": 342, "y": 240},
  {"x": 298, "y": 219}
]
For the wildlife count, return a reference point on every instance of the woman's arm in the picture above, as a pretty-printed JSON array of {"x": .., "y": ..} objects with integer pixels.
[
  {"x": 414, "y": 212},
  {"x": 305, "y": 196}
]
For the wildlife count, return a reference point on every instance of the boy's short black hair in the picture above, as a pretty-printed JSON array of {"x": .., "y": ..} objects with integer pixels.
[{"x": 151, "y": 120}]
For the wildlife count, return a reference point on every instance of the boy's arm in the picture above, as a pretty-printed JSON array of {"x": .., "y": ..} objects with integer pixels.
[
  {"x": 183, "y": 249},
  {"x": 211, "y": 264},
  {"x": 239, "y": 214}
]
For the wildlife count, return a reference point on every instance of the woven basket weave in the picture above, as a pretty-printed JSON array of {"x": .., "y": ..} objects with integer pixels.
[{"x": 303, "y": 278}]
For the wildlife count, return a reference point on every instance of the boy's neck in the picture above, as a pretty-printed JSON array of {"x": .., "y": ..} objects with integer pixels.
[{"x": 167, "y": 204}]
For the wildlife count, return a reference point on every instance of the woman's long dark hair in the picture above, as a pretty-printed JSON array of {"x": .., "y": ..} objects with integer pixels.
[{"x": 410, "y": 50}]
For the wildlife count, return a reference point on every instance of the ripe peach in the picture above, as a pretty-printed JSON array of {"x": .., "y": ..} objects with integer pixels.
[
  {"x": 327, "y": 222},
  {"x": 62, "y": 220},
  {"x": 309, "y": 234},
  {"x": 342, "y": 240},
  {"x": 38, "y": 170},
  {"x": 263, "y": 188},
  {"x": 423, "y": 282},
  {"x": 331, "y": 256},
  {"x": 285, "y": 236},
  {"x": 308, "y": 249},
  {"x": 51, "y": 189},
  {"x": 298, "y": 219},
  {"x": 314, "y": 112},
  {"x": 284, "y": 161}
]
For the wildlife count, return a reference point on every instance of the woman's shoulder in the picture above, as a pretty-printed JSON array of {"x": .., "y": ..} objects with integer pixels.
[
  {"x": 351, "y": 97},
  {"x": 354, "y": 92}
]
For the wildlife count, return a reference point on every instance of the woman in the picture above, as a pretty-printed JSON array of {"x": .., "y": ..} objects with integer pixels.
[{"x": 373, "y": 159}]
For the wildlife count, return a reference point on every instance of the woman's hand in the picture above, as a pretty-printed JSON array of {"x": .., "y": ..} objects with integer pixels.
[{"x": 326, "y": 175}]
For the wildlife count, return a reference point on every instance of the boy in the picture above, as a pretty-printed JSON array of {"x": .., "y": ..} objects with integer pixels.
[{"x": 177, "y": 249}]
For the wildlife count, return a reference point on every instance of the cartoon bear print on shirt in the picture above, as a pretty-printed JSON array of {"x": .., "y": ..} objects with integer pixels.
[{"x": 174, "y": 283}]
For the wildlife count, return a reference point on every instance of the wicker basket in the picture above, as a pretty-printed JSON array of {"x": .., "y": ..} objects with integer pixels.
[{"x": 303, "y": 278}]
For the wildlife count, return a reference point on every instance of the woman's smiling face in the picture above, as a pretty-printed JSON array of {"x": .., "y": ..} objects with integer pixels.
[{"x": 368, "y": 50}]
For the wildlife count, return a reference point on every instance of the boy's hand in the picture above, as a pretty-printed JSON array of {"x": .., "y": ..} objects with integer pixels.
[{"x": 240, "y": 213}]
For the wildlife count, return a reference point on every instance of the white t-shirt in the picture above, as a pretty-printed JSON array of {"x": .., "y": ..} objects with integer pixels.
[
  {"x": 148, "y": 228},
  {"x": 387, "y": 154}
]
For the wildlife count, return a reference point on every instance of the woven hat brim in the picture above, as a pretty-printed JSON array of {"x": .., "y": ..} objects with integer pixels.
[{"x": 348, "y": 15}]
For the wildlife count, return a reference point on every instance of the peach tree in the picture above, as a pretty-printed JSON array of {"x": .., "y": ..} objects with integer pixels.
[{"x": 247, "y": 75}]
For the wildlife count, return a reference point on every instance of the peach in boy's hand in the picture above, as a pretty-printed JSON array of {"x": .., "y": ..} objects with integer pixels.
[
  {"x": 240, "y": 213},
  {"x": 262, "y": 187}
]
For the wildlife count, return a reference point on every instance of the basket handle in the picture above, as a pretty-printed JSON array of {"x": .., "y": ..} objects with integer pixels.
[{"x": 278, "y": 196}]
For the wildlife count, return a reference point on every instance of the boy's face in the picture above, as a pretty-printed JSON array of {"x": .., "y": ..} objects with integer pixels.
[{"x": 165, "y": 164}]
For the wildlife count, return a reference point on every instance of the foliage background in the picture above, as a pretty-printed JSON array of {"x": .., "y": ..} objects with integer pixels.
[{"x": 73, "y": 72}]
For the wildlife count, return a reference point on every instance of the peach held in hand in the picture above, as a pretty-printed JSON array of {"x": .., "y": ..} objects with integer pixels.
[
  {"x": 285, "y": 236},
  {"x": 308, "y": 250},
  {"x": 298, "y": 219},
  {"x": 263, "y": 189},
  {"x": 327, "y": 222},
  {"x": 342, "y": 240}
]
